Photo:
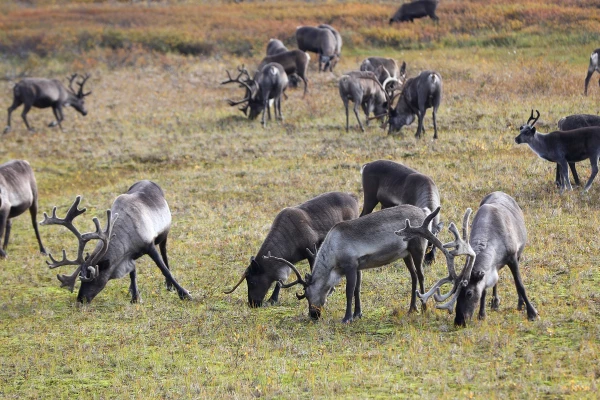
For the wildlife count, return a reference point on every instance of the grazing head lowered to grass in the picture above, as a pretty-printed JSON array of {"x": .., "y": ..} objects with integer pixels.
[
  {"x": 295, "y": 234},
  {"x": 137, "y": 221},
  {"x": 408, "y": 12}
]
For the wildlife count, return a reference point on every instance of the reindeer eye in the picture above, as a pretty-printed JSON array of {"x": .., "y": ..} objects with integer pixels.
[{"x": 469, "y": 294}]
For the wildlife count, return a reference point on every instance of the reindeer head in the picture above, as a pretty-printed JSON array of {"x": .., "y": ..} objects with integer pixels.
[
  {"x": 77, "y": 101},
  {"x": 469, "y": 298},
  {"x": 249, "y": 99},
  {"x": 527, "y": 131},
  {"x": 87, "y": 267},
  {"x": 258, "y": 281}
]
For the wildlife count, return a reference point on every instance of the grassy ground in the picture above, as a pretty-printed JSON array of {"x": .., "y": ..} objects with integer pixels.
[{"x": 164, "y": 117}]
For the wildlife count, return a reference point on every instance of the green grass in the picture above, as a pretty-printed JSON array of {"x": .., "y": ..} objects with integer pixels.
[{"x": 164, "y": 117}]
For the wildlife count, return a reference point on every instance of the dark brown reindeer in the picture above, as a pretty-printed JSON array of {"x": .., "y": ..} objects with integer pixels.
[
  {"x": 363, "y": 243},
  {"x": 414, "y": 10},
  {"x": 563, "y": 147},
  {"x": 418, "y": 94},
  {"x": 569, "y": 123},
  {"x": 392, "y": 184},
  {"x": 321, "y": 41},
  {"x": 498, "y": 237},
  {"x": 295, "y": 234},
  {"x": 391, "y": 76},
  {"x": 44, "y": 93},
  {"x": 594, "y": 66},
  {"x": 18, "y": 192},
  {"x": 137, "y": 221},
  {"x": 268, "y": 84},
  {"x": 293, "y": 62},
  {"x": 364, "y": 90}
]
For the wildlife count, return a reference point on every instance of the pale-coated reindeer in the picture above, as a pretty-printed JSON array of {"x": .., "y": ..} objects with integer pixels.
[
  {"x": 594, "y": 66},
  {"x": 292, "y": 61},
  {"x": 363, "y": 89},
  {"x": 416, "y": 9},
  {"x": 569, "y": 123},
  {"x": 390, "y": 74},
  {"x": 44, "y": 93},
  {"x": 18, "y": 192},
  {"x": 268, "y": 84},
  {"x": 295, "y": 234},
  {"x": 392, "y": 184},
  {"x": 137, "y": 221},
  {"x": 338, "y": 46},
  {"x": 321, "y": 41},
  {"x": 563, "y": 147},
  {"x": 498, "y": 237},
  {"x": 275, "y": 46},
  {"x": 363, "y": 243}
]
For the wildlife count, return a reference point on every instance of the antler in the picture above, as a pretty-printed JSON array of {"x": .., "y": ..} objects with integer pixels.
[
  {"x": 531, "y": 118},
  {"x": 297, "y": 281},
  {"x": 71, "y": 79},
  {"x": 244, "y": 275},
  {"x": 80, "y": 92},
  {"x": 242, "y": 71}
]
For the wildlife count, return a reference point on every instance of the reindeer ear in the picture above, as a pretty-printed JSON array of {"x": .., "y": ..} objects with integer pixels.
[
  {"x": 403, "y": 68},
  {"x": 533, "y": 129},
  {"x": 476, "y": 276}
]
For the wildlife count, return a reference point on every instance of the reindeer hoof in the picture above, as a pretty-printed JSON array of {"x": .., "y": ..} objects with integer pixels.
[
  {"x": 185, "y": 295},
  {"x": 6, "y": 130},
  {"x": 52, "y": 124}
]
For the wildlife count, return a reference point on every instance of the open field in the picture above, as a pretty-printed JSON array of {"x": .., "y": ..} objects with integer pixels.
[{"x": 163, "y": 116}]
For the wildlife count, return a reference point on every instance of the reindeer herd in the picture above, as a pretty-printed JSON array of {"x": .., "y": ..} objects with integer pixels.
[{"x": 328, "y": 231}]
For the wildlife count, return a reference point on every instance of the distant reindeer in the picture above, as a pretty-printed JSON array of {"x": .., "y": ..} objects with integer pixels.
[
  {"x": 563, "y": 147},
  {"x": 498, "y": 237},
  {"x": 267, "y": 84},
  {"x": 390, "y": 74},
  {"x": 321, "y": 41},
  {"x": 418, "y": 94},
  {"x": 338, "y": 46},
  {"x": 275, "y": 46},
  {"x": 137, "y": 221},
  {"x": 414, "y": 10},
  {"x": 43, "y": 93},
  {"x": 293, "y": 62},
  {"x": 363, "y": 89},
  {"x": 18, "y": 192},
  {"x": 569, "y": 123},
  {"x": 594, "y": 66}
]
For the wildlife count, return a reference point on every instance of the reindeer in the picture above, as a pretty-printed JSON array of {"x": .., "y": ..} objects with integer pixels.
[
  {"x": 569, "y": 123},
  {"x": 137, "y": 221},
  {"x": 275, "y": 46},
  {"x": 418, "y": 94},
  {"x": 338, "y": 47},
  {"x": 321, "y": 41},
  {"x": 498, "y": 237},
  {"x": 563, "y": 147},
  {"x": 268, "y": 84},
  {"x": 389, "y": 74},
  {"x": 414, "y": 10},
  {"x": 594, "y": 66},
  {"x": 294, "y": 232},
  {"x": 43, "y": 93},
  {"x": 18, "y": 192},
  {"x": 293, "y": 62},
  {"x": 363, "y": 89},
  {"x": 363, "y": 243},
  {"x": 392, "y": 184}
]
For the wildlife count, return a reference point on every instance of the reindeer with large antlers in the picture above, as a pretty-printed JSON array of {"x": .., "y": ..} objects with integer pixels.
[
  {"x": 44, "y": 93},
  {"x": 563, "y": 147},
  {"x": 137, "y": 221},
  {"x": 363, "y": 243},
  {"x": 497, "y": 238},
  {"x": 268, "y": 84}
]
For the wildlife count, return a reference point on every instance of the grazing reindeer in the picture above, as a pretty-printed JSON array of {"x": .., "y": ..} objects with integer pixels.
[
  {"x": 563, "y": 147},
  {"x": 414, "y": 10},
  {"x": 293, "y": 62},
  {"x": 295, "y": 231},
  {"x": 569, "y": 123},
  {"x": 268, "y": 84},
  {"x": 363, "y": 89},
  {"x": 594, "y": 66},
  {"x": 392, "y": 184},
  {"x": 498, "y": 237},
  {"x": 43, "y": 93},
  {"x": 363, "y": 243},
  {"x": 321, "y": 41},
  {"x": 275, "y": 46},
  {"x": 418, "y": 94},
  {"x": 389, "y": 74},
  {"x": 338, "y": 46},
  {"x": 18, "y": 192},
  {"x": 142, "y": 220}
]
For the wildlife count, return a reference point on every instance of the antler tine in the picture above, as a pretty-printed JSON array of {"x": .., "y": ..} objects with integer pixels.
[
  {"x": 103, "y": 236},
  {"x": 411, "y": 231},
  {"x": 531, "y": 118},
  {"x": 289, "y": 264},
  {"x": 71, "y": 79},
  {"x": 450, "y": 304},
  {"x": 235, "y": 103},
  {"x": 68, "y": 281},
  {"x": 67, "y": 221},
  {"x": 237, "y": 284},
  {"x": 435, "y": 288},
  {"x": 59, "y": 263}
]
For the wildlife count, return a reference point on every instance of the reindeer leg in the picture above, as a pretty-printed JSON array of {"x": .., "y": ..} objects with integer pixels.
[
  {"x": 347, "y": 121},
  {"x": 33, "y": 212},
  {"x": 587, "y": 80},
  {"x": 514, "y": 268},
  {"x": 163, "y": 252},
  {"x": 564, "y": 170},
  {"x": 351, "y": 277},
  {"x": 357, "y": 307},
  {"x": 417, "y": 258},
  {"x": 558, "y": 179},
  {"x": 356, "y": 106},
  {"x": 153, "y": 253},
  {"x": 408, "y": 260},
  {"x": 14, "y": 105},
  {"x": 3, "y": 224},
  {"x": 57, "y": 116},
  {"x": 435, "y": 136},
  {"x": 26, "y": 109},
  {"x": 594, "y": 162},
  {"x": 482, "y": 304},
  {"x": 574, "y": 172},
  {"x": 495, "y": 299},
  {"x": 420, "y": 117},
  {"x": 7, "y": 233},
  {"x": 274, "y": 299},
  {"x": 133, "y": 288}
]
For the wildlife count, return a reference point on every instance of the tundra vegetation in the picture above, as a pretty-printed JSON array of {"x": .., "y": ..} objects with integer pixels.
[{"x": 159, "y": 113}]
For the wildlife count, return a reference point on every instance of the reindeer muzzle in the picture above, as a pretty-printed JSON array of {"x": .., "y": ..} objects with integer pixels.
[{"x": 88, "y": 274}]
